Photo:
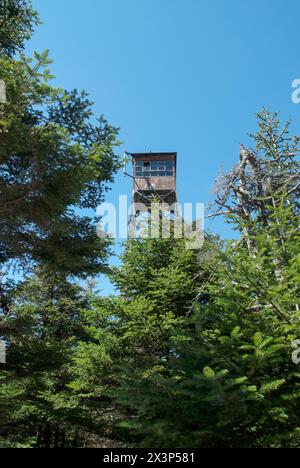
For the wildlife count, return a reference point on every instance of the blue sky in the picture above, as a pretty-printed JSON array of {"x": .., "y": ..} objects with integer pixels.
[{"x": 177, "y": 75}]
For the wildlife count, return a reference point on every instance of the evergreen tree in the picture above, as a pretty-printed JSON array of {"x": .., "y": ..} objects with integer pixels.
[
  {"x": 54, "y": 161},
  {"x": 158, "y": 282},
  {"x": 17, "y": 21},
  {"x": 44, "y": 322}
]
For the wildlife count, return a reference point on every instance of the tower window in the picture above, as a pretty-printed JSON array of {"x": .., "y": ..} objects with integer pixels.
[{"x": 154, "y": 168}]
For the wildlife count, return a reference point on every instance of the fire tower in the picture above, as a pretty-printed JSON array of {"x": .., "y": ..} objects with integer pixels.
[{"x": 154, "y": 180}]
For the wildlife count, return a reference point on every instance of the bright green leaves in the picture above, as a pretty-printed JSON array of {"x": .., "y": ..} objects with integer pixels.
[
  {"x": 272, "y": 386},
  {"x": 236, "y": 333},
  {"x": 208, "y": 373}
]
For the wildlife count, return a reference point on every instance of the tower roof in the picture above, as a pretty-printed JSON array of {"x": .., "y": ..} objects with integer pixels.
[{"x": 156, "y": 156}]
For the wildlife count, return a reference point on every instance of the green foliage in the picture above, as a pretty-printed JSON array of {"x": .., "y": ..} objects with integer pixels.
[
  {"x": 17, "y": 21},
  {"x": 44, "y": 323},
  {"x": 61, "y": 347},
  {"x": 158, "y": 281},
  {"x": 52, "y": 160}
]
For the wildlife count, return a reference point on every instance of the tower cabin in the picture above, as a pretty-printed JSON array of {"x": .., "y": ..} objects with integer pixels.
[{"x": 154, "y": 177}]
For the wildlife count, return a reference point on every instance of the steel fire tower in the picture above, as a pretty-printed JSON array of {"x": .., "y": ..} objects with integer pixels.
[{"x": 154, "y": 179}]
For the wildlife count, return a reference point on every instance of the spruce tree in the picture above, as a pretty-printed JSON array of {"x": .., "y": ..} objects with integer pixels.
[
  {"x": 44, "y": 323},
  {"x": 56, "y": 160},
  {"x": 17, "y": 22}
]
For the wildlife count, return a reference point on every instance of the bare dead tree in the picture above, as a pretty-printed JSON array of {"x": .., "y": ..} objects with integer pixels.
[
  {"x": 262, "y": 177},
  {"x": 266, "y": 178}
]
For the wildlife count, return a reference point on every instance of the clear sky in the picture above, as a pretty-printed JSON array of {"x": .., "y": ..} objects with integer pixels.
[{"x": 177, "y": 75}]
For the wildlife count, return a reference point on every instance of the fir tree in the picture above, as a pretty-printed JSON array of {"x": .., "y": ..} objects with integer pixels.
[
  {"x": 43, "y": 324},
  {"x": 17, "y": 21}
]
